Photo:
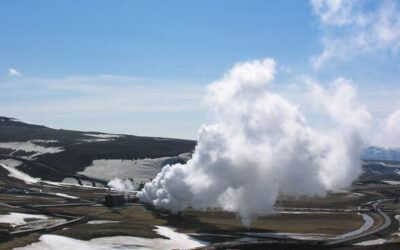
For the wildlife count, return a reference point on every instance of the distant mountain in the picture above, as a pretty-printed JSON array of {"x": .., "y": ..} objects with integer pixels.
[
  {"x": 56, "y": 154},
  {"x": 379, "y": 154}
]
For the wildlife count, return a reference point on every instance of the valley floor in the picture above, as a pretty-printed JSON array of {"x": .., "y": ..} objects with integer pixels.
[{"x": 39, "y": 214}]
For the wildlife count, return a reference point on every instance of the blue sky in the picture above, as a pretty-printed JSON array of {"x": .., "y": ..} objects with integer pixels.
[
  {"x": 167, "y": 39},
  {"x": 140, "y": 67}
]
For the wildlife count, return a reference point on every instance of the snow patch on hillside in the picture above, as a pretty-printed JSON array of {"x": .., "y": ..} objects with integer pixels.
[
  {"x": 96, "y": 140},
  {"x": 69, "y": 180},
  {"x": 65, "y": 195},
  {"x": 30, "y": 147},
  {"x": 392, "y": 182},
  {"x": 103, "y": 135},
  {"x": 139, "y": 170},
  {"x": 11, "y": 163},
  {"x": 44, "y": 141},
  {"x": 17, "y": 120},
  {"x": 20, "y": 175}
]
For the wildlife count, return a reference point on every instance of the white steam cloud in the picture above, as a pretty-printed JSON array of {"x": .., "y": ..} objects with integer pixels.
[
  {"x": 389, "y": 136},
  {"x": 122, "y": 185},
  {"x": 260, "y": 146}
]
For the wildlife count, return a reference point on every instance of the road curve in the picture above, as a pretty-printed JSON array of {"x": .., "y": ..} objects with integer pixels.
[{"x": 385, "y": 225}]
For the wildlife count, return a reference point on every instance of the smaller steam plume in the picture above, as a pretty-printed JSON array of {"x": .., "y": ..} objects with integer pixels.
[
  {"x": 261, "y": 146},
  {"x": 122, "y": 185}
]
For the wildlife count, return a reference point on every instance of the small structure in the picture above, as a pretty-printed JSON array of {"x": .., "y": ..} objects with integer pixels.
[
  {"x": 113, "y": 200},
  {"x": 119, "y": 199}
]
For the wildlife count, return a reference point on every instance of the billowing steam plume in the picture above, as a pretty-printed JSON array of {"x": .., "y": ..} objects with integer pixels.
[
  {"x": 389, "y": 136},
  {"x": 261, "y": 146}
]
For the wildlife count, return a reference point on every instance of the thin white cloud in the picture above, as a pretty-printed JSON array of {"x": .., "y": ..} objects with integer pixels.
[
  {"x": 355, "y": 27},
  {"x": 123, "y": 104},
  {"x": 285, "y": 69},
  {"x": 99, "y": 93},
  {"x": 13, "y": 72}
]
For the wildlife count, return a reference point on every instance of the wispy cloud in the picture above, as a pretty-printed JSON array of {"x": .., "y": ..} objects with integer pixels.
[
  {"x": 355, "y": 27},
  {"x": 99, "y": 93},
  {"x": 13, "y": 72},
  {"x": 143, "y": 106}
]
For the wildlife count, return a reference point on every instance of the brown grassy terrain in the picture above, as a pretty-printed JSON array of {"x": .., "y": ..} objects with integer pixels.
[
  {"x": 31, "y": 199},
  {"x": 140, "y": 220},
  {"x": 339, "y": 201},
  {"x": 20, "y": 241},
  {"x": 224, "y": 222},
  {"x": 133, "y": 221}
]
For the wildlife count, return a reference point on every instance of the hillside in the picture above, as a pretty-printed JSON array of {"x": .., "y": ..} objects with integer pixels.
[
  {"x": 95, "y": 158},
  {"x": 55, "y": 154}
]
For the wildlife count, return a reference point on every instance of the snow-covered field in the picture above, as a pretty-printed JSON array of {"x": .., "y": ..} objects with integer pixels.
[
  {"x": 137, "y": 169},
  {"x": 22, "y": 221},
  {"x": 392, "y": 182},
  {"x": 16, "y": 219},
  {"x": 11, "y": 162},
  {"x": 20, "y": 175},
  {"x": 175, "y": 241},
  {"x": 30, "y": 147},
  {"x": 371, "y": 242},
  {"x": 65, "y": 195},
  {"x": 96, "y": 222}
]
